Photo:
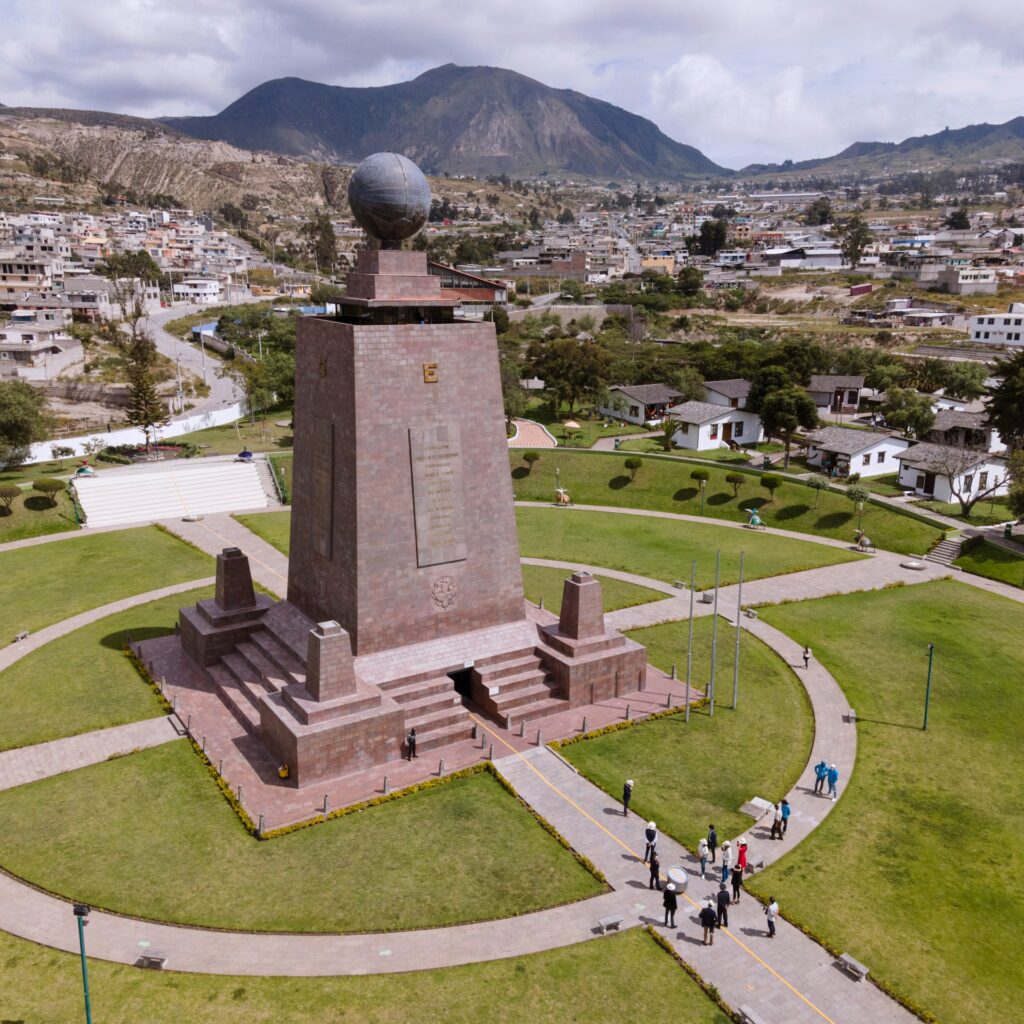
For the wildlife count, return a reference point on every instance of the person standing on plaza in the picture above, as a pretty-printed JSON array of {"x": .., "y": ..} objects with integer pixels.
[
  {"x": 651, "y": 835},
  {"x": 702, "y": 856},
  {"x": 807, "y": 657},
  {"x": 786, "y": 811},
  {"x": 820, "y": 774},
  {"x": 723, "y": 905},
  {"x": 671, "y": 905},
  {"x": 771, "y": 912},
  {"x": 708, "y": 920},
  {"x": 655, "y": 872},
  {"x": 712, "y": 842},
  {"x": 726, "y": 860},
  {"x": 833, "y": 778},
  {"x": 410, "y": 742},
  {"x": 777, "y": 822},
  {"x": 627, "y": 795},
  {"x": 737, "y": 885}
]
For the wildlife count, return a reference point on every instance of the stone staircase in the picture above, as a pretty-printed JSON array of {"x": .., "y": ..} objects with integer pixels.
[
  {"x": 432, "y": 708},
  {"x": 515, "y": 687},
  {"x": 945, "y": 552}
]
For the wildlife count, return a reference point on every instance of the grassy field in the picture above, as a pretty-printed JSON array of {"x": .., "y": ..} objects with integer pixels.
[
  {"x": 653, "y": 445},
  {"x": 181, "y": 327},
  {"x": 687, "y": 775},
  {"x": 597, "y": 982},
  {"x": 282, "y": 466},
  {"x": 83, "y": 681},
  {"x": 540, "y": 581},
  {"x": 273, "y": 527},
  {"x": 464, "y": 851},
  {"x": 51, "y": 582},
  {"x": 994, "y": 562},
  {"x": 917, "y": 872},
  {"x": 33, "y": 515},
  {"x": 589, "y": 430},
  {"x": 984, "y": 513},
  {"x": 265, "y": 435},
  {"x": 664, "y": 548},
  {"x": 666, "y": 485},
  {"x": 887, "y": 485}
]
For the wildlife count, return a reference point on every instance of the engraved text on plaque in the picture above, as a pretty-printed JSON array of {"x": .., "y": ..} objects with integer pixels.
[{"x": 438, "y": 498}]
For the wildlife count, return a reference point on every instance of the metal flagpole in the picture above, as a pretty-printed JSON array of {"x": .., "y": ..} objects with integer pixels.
[
  {"x": 736, "y": 656},
  {"x": 689, "y": 646},
  {"x": 714, "y": 637}
]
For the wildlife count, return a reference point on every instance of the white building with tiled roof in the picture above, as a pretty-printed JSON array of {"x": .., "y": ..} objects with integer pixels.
[
  {"x": 704, "y": 426},
  {"x": 840, "y": 451}
]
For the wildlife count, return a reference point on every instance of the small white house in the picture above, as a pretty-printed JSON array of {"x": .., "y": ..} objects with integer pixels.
[
  {"x": 840, "y": 451},
  {"x": 703, "y": 426},
  {"x": 639, "y": 403},
  {"x": 941, "y": 471},
  {"x": 200, "y": 289},
  {"x": 836, "y": 393},
  {"x": 732, "y": 392}
]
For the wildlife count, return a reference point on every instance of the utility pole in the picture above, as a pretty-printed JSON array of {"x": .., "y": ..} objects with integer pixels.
[
  {"x": 714, "y": 636},
  {"x": 81, "y": 912},
  {"x": 689, "y": 646},
  {"x": 928, "y": 686},
  {"x": 736, "y": 656}
]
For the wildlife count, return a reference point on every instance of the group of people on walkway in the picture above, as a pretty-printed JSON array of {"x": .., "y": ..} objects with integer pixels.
[{"x": 826, "y": 773}]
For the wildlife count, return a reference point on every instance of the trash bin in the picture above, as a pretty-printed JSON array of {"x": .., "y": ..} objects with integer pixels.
[
  {"x": 1008, "y": 531},
  {"x": 618, "y": 441}
]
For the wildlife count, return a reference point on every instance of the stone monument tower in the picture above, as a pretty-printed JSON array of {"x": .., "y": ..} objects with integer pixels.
[{"x": 404, "y": 584}]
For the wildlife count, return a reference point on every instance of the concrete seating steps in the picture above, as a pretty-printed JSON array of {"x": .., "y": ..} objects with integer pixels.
[
  {"x": 238, "y": 701},
  {"x": 524, "y": 691},
  {"x": 280, "y": 656},
  {"x": 534, "y": 711},
  {"x": 945, "y": 552},
  {"x": 495, "y": 675}
]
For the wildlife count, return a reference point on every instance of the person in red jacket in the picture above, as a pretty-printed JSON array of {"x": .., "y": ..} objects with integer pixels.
[{"x": 741, "y": 857}]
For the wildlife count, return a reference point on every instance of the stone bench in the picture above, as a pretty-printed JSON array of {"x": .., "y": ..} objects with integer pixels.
[
  {"x": 153, "y": 959},
  {"x": 751, "y": 613},
  {"x": 606, "y": 924},
  {"x": 22, "y": 635},
  {"x": 707, "y": 597},
  {"x": 854, "y": 967},
  {"x": 851, "y": 717},
  {"x": 749, "y": 1016},
  {"x": 679, "y": 584}
]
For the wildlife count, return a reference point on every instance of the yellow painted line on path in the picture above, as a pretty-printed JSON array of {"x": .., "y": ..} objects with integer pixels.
[{"x": 251, "y": 558}]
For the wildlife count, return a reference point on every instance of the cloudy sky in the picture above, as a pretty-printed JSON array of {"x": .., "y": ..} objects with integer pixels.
[{"x": 743, "y": 80}]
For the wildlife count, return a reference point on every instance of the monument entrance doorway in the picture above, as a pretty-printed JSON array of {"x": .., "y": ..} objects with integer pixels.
[{"x": 463, "y": 680}]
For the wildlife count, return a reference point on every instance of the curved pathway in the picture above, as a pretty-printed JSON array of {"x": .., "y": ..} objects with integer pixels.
[{"x": 531, "y": 434}]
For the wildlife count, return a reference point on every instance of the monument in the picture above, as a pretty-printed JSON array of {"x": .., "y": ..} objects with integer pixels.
[{"x": 404, "y": 586}]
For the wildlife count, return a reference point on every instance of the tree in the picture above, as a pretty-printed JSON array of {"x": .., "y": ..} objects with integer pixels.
[
  {"x": 964, "y": 380},
  {"x": 322, "y": 242},
  {"x": 764, "y": 382},
  {"x": 859, "y": 495},
  {"x": 8, "y": 492},
  {"x": 253, "y": 379},
  {"x": 713, "y": 234},
  {"x": 1015, "y": 497},
  {"x": 854, "y": 238},
  {"x": 23, "y": 421},
  {"x": 512, "y": 393},
  {"x": 530, "y": 458},
  {"x": 145, "y": 408},
  {"x": 50, "y": 487},
  {"x": 667, "y": 437},
  {"x": 909, "y": 411},
  {"x": 1006, "y": 400},
  {"x": 566, "y": 216},
  {"x": 771, "y": 483},
  {"x": 135, "y": 263},
  {"x": 960, "y": 467},
  {"x": 689, "y": 382},
  {"x": 61, "y": 451},
  {"x": 690, "y": 281},
  {"x": 571, "y": 370},
  {"x": 737, "y": 480},
  {"x": 819, "y": 212},
  {"x": 817, "y": 483},
  {"x": 958, "y": 220},
  {"x": 786, "y": 410},
  {"x": 702, "y": 476},
  {"x": 633, "y": 464}
]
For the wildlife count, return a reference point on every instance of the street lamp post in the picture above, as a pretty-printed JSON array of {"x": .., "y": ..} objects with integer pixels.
[
  {"x": 558, "y": 488},
  {"x": 928, "y": 686},
  {"x": 736, "y": 657},
  {"x": 81, "y": 913},
  {"x": 689, "y": 646},
  {"x": 714, "y": 637}
]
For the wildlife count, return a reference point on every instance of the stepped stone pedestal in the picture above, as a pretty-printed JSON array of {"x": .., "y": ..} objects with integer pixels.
[{"x": 404, "y": 585}]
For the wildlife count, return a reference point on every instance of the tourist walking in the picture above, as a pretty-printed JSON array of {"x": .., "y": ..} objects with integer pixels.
[
  {"x": 786, "y": 810},
  {"x": 807, "y": 657},
  {"x": 777, "y": 822},
  {"x": 627, "y": 795},
  {"x": 820, "y": 774},
  {"x": 655, "y": 872},
  {"x": 651, "y": 835},
  {"x": 723, "y": 905},
  {"x": 726, "y": 860},
  {"x": 671, "y": 905},
  {"x": 833, "y": 778},
  {"x": 410, "y": 742},
  {"x": 741, "y": 857},
  {"x": 712, "y": 842},
  {"x": 771, "y": 912},
  {"x": 708, "y": 920},
  {"x": 737, "y": 885},
  {"x": 702, "y": 856}
]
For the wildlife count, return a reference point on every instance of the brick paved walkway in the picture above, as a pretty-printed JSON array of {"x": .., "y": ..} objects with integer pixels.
[
  {"x": 40, "y": 761},
  {"x": 531, "y": 435}
]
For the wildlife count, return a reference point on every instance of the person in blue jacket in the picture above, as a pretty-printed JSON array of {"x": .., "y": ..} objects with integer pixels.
[
  {"x": 820, "y": 773},
  {"x": 786, "y": 810},
  {"x": 833, "y": 778}
]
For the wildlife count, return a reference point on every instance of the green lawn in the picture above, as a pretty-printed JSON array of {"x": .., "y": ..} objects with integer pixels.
[
  {"x": 161, "y": 842},
  {"x": 886, "y": 485},
  {"x": 984, "y": 513},
  {"x": 687, "y": 775},
  {"x": 540, "y": 581},
  {"x": 33, "y": 515},
  {"x": 281, "y": 463},
  {"x": 666, "y": 485},
  {"x": 597, "y": 982},
  {"x": 273, "y": 527},
  {"x": 46, "y": 583},
  {"x": 664, "y": 548},
  {"x": 653, "y": 445},
  {"x": 265, "y": 435},
  {"x": 590, "y": 430},
  {"x": 918, "y": 870},
  {"x": 83, "y": 681},
  {"x": 994, "y": 562}
]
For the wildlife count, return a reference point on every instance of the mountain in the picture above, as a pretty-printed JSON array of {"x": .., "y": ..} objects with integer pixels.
[
  {"x": 475, "y": 120},
  {"x": 960, "y": 148}
]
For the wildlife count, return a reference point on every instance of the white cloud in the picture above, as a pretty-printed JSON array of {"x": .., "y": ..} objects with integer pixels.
[{"x": 752, "y": 80}]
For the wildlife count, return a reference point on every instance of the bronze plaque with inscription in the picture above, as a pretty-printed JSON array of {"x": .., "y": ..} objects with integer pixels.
[{"x": 437, "y": 492}]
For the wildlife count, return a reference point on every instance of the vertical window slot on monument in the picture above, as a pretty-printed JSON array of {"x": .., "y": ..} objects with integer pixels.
[{"x": 323, "y": 488}]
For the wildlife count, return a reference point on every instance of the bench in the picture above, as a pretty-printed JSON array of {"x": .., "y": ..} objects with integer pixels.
[
  {"x": 606, "y": 924},
  {"x": 23, "y": 635},
  {"x": 707, "y": 597},
  {"x": 851, "y": 717},
  {"x": 679, "y": 584},
  {"x": 153, "y": 959},
  {"x": 749, "y": 1016},
  {"x": 855, "y": 967},
  {"x": 751, "y": 613}
]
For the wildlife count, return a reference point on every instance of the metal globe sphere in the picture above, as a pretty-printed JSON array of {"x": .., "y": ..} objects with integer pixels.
[{"x": 389, "y": 196}]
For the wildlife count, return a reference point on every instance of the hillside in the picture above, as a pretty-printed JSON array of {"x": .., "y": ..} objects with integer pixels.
[{"x": 473, "y": 120}]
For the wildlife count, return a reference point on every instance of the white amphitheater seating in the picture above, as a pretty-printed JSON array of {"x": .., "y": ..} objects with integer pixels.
[{"x": 169, "y": 491}]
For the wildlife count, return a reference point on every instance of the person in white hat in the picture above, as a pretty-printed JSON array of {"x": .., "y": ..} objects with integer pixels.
[
  {"x": 651, "y": 835},
  {"x": 726, "y": 860},
  {"x": 627, "y": 795},
  {"x": 671, "y": 904}
]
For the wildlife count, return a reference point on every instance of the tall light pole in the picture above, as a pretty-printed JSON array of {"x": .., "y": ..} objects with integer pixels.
[
  {"x": 736, "y": 656},
  {"x": 689, "y": 646},
  {"x": 928, "y": 686},
  {"x": 714, "y": 637},
  {"x": 81, "y": 913}
]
